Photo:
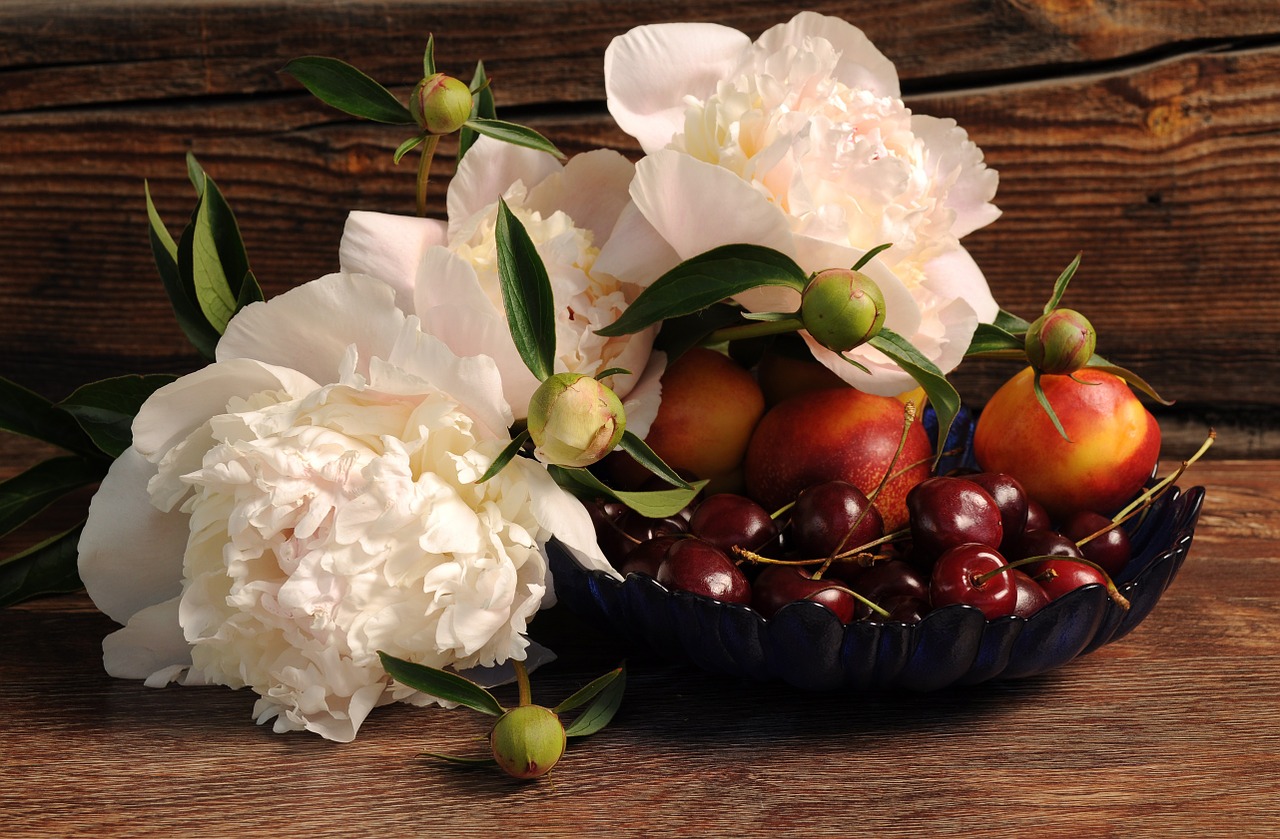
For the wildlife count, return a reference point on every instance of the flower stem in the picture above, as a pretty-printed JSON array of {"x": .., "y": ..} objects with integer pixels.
[
  {"x": 522, "y": 682},
  {"x": 758, "y": 329},
  {"x": 424, "y": 172}
]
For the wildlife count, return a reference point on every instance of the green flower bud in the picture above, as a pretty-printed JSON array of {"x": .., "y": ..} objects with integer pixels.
[
  {"x": 574, "y": 420},
  {"x": 842, "y": 309},
  {"x": 440, "y": 104},
  {"x": 527, "y": 741},
  {"x": 1060, "y": 341}
]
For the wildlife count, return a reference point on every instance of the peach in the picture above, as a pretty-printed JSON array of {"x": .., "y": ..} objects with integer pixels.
[
  {"x": 1114, "y": 445},
  {"x": 837, "y": 434},
  {"x": 710, "y": 405}
]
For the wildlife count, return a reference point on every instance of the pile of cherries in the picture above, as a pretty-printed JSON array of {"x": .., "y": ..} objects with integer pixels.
[{"x": 977, "y": 539}]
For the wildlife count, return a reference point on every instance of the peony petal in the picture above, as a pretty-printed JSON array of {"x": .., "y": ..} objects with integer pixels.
[
  {"x": 649, "y": 70},
  {"x": 559, "y": 512},
  {"x": 487, "y": 171},
  {"x": 592, "y": 190},
  {"x": 309, "y": 328},
  {"x": 954, "y": 273},
  {"x": 388, "y": 247},
  {"x": 151, "y": 642},
  {"x": 642, "y": 401},
  {"x": 130, "y": 552},
  {"x": 635, "y": 253},
  {"x": 952, "y": 158},
  {"x": 861, "y": 64}
]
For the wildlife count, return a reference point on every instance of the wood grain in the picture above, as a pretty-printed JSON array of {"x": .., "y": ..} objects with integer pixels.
[{"x": 1168, "y": 732}]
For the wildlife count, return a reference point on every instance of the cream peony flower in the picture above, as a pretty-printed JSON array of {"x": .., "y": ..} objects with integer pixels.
[
  {"x": 447, "y": 273},
  {"x": 803, "y": 135},
  {"x": 310, "y": 499}
]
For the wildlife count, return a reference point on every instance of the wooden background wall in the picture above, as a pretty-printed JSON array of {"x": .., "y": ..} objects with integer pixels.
[{"x": 1145, "y": 133}]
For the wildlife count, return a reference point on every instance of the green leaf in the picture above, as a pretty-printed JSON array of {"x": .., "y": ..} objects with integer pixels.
[
  {"x": 648, "y": 458},
  {"x": 587, "y": 693},
  {"x": 942, "y": 394},
  {"x": 1011, "y": 323},
  {"x": 429, "y": 57},
  {"x": 105, "y": 409},
  {"x": 990, "y": 341},
  {"x": 408, "y": 146},
  {"x": 870, "y": 255},
  {"x": 185, "y": 308},
  {"x": 342, "y": 86},
  {"x": 526, "y": 295},
  {"x": 611, "y": 371},
  {"x": 516, "y": 135},
  {"x": 1043, "y": 399},
  {"x": 47, "y": 568},
  {"x": 1100, "y": 363},
  {"x": 708, "y": 278},
  {"x": 1060, "y": 285},
  {"x": 680, "y": 334},
  {"x": 482, "y": 107},
  {"x": 28, "y": 413},
  {"x": 23, "y": 496},
  {"x": 217, "y": 300},
  {"x": 250, "y": 291},
  {"x": 600, "y": 713},
  {"x": 656, "y": 505},
  {"x": 504, "y": 456},
  {"x": 441, "y": 684}
]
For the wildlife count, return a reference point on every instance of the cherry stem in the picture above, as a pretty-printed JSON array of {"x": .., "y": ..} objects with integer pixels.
[
  {"x": 522, "y": 682},
  {"x": 785, "y": 508},
  {"x": 1147, "y": 498},
  {"x": 879, "y": 610},
  {"x": 1112, "y": 592}
]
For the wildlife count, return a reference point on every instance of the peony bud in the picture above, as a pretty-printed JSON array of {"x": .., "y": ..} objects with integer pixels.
[
  {"x": 574, "y": 420},
  {"x": 527, "y": 741},
  {"x": 440, "y": 104},
  {"x": 1060, "y": 341},
  {"x": 842, "y": 309}
]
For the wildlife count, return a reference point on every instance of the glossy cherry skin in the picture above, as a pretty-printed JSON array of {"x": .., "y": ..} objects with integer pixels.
[
  {"x": 646, "y": 557},
  {"x": 699, "y": 567},
  {"x": 947, "y": 512},
  {"x": 958, "y": 578},
  {"x": 1031, "y": 596},
  {"x": 1111, "y": 550},
  {"x": 1042, "y": 543},
  {"x": 727, "y": 520},
  {"x": 779, "y": 585},
  {"x": 1059, "y": 576},
  {"x": 903, "y": 609},
  {"x": 886, "y": 580},
  {"x": 834, "y": 516},
  {"x": 1010, "y": 497},
  {"x": 1037, "y": 516}
]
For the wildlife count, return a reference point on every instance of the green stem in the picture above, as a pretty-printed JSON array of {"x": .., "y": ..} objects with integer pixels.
[
  {"x": 424, "y": 172},
  {"x": 758, "y": 329},
  {"x": 522, "y": 682}
]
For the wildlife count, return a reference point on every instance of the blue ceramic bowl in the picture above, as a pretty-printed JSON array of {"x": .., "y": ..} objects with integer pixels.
[{"x": 807, "y": 646}]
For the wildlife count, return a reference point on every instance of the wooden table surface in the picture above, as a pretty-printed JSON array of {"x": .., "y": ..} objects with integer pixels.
[{"x": 1170, "y": 731}]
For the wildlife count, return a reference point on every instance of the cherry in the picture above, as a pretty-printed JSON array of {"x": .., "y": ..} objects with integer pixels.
[
  {"x": 1043, "y": 543},
  {"x": 834, "y": 516},
  {"x": 947, "y": 512},
  {"x": 646, "y": 557},
  {"x": 963, "y": 575},
  {"x": 905, "y": 609},
  {"x": 699, "y": 567},
  {"x": 727, "y": 520},
  {"x": 885, "y": 580},
  {"x": 1111, "y": 550},
  {"x": 1037, "y": 516},
  {"x": 1059, "y": 576},
  {"x": 1010, "y": 497},
  {"x": 1031, "y": 596},
  {"x": 779, "y": 585}
]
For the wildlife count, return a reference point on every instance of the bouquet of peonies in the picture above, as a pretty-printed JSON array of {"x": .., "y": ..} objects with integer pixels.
[{"x": 372, "y": 464}]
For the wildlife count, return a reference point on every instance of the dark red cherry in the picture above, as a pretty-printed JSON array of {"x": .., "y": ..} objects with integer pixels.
[
  {"x": 885, "y": 580},
  {"x": 727, "y": 520},
  {"x": 1111, "y": 550},
  {"x": 699, "y": 567},
  {"x": 834, "y": 516},
  {"x": 648, "y": 555},
  {"x": 1059, "y": 576},
  {"x": 963, "y": 575},
  {"x": 779, "y": 585},
  {"x": 1010, "y": 497},
  {"x": 1031, "y": 597},
  {"x": 947, "y": 512},
  {"x": 903, "y": 609},
  {"x": 1043, "y": 543},
  {"x": 641, "y": 528},
  {"x": 1037, "y": 516}
]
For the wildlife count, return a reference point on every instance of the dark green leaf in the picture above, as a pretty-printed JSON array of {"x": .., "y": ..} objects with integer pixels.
[
  {"x": 344, "y": 87},
  {"x": 26, "y": 494},
  {"x": 942, "y": 394},
  {"x": 526, "y": 295},
  {"x": 870, "y": 255},
  {"x": 441, "y": 684},
  {"x": 250, "y": 291},
  {"x": 516, "y": 135},
  {"x": 678, "y": 335},
  {"x": 408, "y": 146},
  {"x": 600, "y": 713},
  {"x": 708, "y": 278},
  {"x": 1048, "y": 409},
  {"x": 28, "y": 413},
  {"x": 225, "y": 230},
  {"x": 105, "y": 409},
  {"x": 1011, "y": 323},
  {"x": 429, "y": 57},
  {"x": 185, "y": 308},
  {"x": 656, "y": 505},
  {"x": 648, "y": 458},
  {"x": 1100, "y": 363},
  {"x": 990, "y": 341},
  {"x": 587, "y": 693},
  {"x": 1060, "y": 285},
  {"x": 504, "y": 456},
  {"x": 47, "y": 568},
  {"x": 217, "y": 300},
  {"x": 482, "y": 107},
  {"x": 611, "y": 371}
]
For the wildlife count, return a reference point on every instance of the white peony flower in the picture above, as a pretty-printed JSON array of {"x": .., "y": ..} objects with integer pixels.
[
  {"x": 447, "y": 273},
  {"x": 310, "y": 499},
  {"x": 800, "y": 142}
]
